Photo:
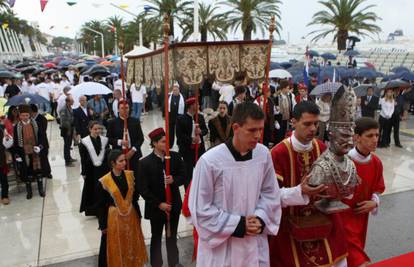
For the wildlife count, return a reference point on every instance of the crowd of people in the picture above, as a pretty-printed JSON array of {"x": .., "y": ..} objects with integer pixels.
[{"x": 238, "y": 193}]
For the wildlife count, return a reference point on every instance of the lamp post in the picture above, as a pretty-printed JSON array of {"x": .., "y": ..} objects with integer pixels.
[{"x": 102, "y": 39}]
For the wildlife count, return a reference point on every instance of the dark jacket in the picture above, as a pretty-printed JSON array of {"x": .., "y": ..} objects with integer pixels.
[
  {"x": 40, "y": 140},
  {"x": 66, "y": 121},
  {"x": 42, "y": 124},
  {"x": 115, "y": 132},
  {"x": 3, "y": 162},
  {"x": 152, "y": 189},
  {"x": 184, "y": 128},
  {"x": 81, "y": 121},
  {"x": 368, "y": 109}
]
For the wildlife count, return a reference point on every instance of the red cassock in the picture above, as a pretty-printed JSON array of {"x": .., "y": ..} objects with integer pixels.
[
  {"x": 356, "y": 225},
  {"x": 326, "y": 247}
]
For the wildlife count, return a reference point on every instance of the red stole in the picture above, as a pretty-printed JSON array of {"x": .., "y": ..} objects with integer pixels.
[
  {"x": 284, "y": 250},
  {"x": 356, "y": 225}
]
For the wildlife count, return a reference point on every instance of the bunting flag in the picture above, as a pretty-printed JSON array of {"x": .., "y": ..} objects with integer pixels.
[
  {"x": 43, "y": 4},
  {"x": 71, "y": 3},
  {"x": 11, "y": 3}
]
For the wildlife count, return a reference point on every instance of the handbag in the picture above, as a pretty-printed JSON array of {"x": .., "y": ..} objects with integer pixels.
[{"x": 308, "y": 228}]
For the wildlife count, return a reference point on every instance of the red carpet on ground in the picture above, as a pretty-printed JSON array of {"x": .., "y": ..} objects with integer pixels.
[{"x": 405, "y": 260}]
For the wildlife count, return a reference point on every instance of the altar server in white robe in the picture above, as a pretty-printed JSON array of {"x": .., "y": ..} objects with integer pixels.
[{"x": 234, "y": 197}]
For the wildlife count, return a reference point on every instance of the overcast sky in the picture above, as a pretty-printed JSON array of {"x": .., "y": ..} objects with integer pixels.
[{"x": 296, "y": 14}]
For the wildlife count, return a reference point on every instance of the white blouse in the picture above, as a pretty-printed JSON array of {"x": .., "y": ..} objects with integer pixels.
[{"x": 387, "y": 108}]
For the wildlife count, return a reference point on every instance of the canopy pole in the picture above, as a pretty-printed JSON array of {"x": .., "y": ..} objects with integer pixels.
[
  {"x": 121, "y": 47},
  {"x": 265, "y": 88},
  {"x": 168, "y": 196}
]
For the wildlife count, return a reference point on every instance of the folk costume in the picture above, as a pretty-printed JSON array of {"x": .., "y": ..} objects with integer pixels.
[
  {"x": 306, "y": 237},
  {"x": 94, "y": 164},
  {"x": 152, "y": 188},
  {"x": 220, "y": 129},
  {"x": 226, "y": 187},
  {"x": 27, "y": 146},
  {"x": 118, "y": 212},
  {"x": 369, "y": 169}
]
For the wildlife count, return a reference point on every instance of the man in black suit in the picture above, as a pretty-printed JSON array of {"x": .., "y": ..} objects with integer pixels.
[
  {"x": 132, "y": 140},
  {"x": 369, "y": 103},
  {"x": 82, "y": 118},
  {"x": 42, "y": 132},
  {"x": 152, "y": 181},
  {"x": 189, "y": 134}
]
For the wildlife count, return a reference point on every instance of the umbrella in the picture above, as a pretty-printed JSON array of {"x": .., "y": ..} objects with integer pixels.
[
  {"x": 23, "y": 65},
  {"x": 26, "y": 99},
  {"x": 90, "y": 88},
  {"x": 49, "y": 65},
  {"x": 313, "y": 53},
  {"x": 369, "y": 65},
  {"x": 274, "y": 66},
  {"x": 351, "y": 53},
  {"x": 286, "y": 65},
  {"x": 50, "y": 71},
  {"x": 399, "y": 69},
  {"x": 89, "y": 62},
  {"x": 38, "y": 71},
  {"x": 106, "y": 63},
  {"x": 65, "y": 63},
  {"x": 7, "y": 75},
  {"x": 280, "y": 74},
  {"x": 328, "y": 87},
  {"x": 361, "y": 90},
  {"x": 115, "y": 58},
  {"x": 298, "y": 78},
  {"x": 97, "y": 70},
  {"x": 80, "y": 65},
  {"x": 367, "y": 73},
  {"x": 394, "y": 84},
  {"x": 29, "y": 69},
  {"x": 328, "y": 56},
  {"x": 408, "y": 76},
  {"x": 354, "y": 38}
]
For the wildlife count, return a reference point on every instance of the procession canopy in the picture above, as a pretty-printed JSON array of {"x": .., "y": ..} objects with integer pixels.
[{"x": 191, "y": 63}]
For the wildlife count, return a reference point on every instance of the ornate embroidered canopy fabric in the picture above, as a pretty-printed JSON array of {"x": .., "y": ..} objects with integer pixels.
[{"x": 190, "y": 63}]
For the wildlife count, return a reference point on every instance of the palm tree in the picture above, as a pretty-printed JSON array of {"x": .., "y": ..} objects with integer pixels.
[
  {"x": 252, "y": 15},
  {"x": 209, "y": 23},
  {"x": 117, "y": 23},
  {"x": 157, "y": 9},
  {"x": 4, "y": 5},
  {"x": 344, "y": 17},
  {"x": 151, "y": 31}
]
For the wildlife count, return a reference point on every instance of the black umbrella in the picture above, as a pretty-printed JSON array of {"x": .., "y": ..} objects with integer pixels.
[
  {"x": 7, "y": 75},
  {"x": 50, "y": 71},
  {"x": 29, "y": 69},
  {"x": 97, "y": 70},
  {"x": 313, "y": 53},
  {"x": 39, "y": 70},
  {"x": 408, "y": 76},
  {"x": 399, "y": 69},
  {"x": 328, "y": 56},
  {"x": 394, "y": 84},
  {"x": 26, "y": 99},
  {"x": 23, "y": 65},
  {"x": 351, "y": 53}
]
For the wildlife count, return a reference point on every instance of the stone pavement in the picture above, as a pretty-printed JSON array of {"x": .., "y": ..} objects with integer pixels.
[{"x": 48, "y": 231}]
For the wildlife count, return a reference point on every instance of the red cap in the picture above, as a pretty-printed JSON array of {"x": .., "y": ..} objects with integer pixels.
[
  {"x": 302, "y": 86},
  {"x": 190, "y": 101},
  {"x": 156, "y": 133}
]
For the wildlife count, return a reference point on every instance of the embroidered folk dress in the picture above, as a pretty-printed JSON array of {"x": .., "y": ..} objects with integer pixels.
[
  {"x": 94, "y": 165},
  {"x": 124, "y": 240}
]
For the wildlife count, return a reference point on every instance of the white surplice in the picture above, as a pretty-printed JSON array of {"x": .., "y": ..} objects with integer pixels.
[{"x": 222, "y": 191}]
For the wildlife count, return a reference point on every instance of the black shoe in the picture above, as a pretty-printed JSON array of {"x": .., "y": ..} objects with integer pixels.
[
  {"x": 49, "y": 176},
  {"x": 399, "y": 145},
  {"x": 29, "y": 191},
  {"x": 73, "y": 160},
  {"x": 40, "y": 187}
]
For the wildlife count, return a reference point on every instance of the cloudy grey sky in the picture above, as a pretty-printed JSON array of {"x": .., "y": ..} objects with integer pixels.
[{"x": 395, "y": 14}]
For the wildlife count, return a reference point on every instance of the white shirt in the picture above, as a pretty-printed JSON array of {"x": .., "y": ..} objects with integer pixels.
[
  {"x": 387, "y": 108},
  {"x": 44, "y": 89},
  {"x": 226, "y": 93},
  {"x": 1, "y": 91},
  {"x": 71, "y": 75},
  {"x": 32, "y": 89},
  {"x": 222, "y": 191},
  {"x": 25, "y": 87},
  {"x": 118, "y": 84},
  {"x": 115, "y": 107},
  {"x": 137, "y": 96},
  {"x": 64, "y": 83},
  {"x": 85, "y": 110},
  {"x": 61, "y": 102}
]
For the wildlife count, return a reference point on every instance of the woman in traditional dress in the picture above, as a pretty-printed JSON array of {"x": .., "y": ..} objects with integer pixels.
[
  {"x": 122, "y": 241},
  {"x": 93, "y": 152}
]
